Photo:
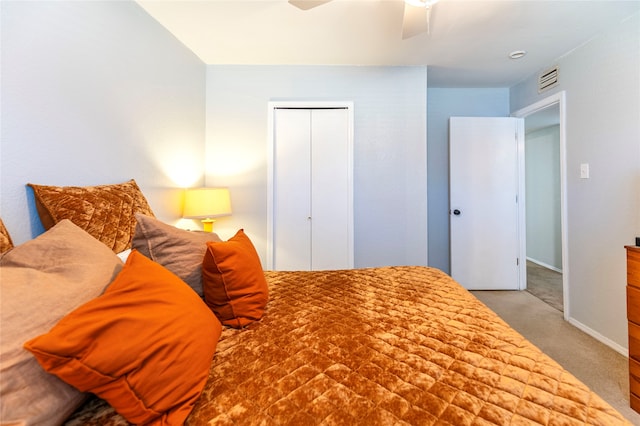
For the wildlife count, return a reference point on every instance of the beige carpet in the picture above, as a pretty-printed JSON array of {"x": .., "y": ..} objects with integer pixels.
[
  {"x": 595, "y": 364},
  {"x": 545, "y": 284}
]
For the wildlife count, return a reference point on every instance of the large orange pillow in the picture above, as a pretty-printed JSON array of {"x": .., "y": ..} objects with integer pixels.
[
  {"x": 145, "y": 345},
  {"x": 233, "y": 281}
]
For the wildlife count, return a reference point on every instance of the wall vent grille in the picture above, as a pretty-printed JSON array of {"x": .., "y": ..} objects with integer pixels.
[{"x": 548, "y": 79}]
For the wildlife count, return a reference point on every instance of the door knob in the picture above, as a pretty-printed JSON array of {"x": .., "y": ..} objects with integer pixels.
[{"x": 456, "y": 212}]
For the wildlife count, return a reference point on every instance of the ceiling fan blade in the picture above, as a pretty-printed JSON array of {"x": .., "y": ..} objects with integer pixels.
[
  {"x": 307, "y": 4},
  {"x": 415, "y": 20}
]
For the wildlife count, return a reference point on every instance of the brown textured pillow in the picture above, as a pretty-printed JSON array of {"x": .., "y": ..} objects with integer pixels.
[
  {"x": 42, "y": 281},
  {"x": 5, "y": 239},
  {"x": 178, "y": 250},
  {"x": 104, "y": 211}
]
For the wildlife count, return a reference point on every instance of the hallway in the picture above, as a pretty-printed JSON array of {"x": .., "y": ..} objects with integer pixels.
[{"x": 545, "y": 284}]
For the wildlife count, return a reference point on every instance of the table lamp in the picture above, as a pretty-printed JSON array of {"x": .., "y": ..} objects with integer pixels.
[{"x": 205, "y": 204}]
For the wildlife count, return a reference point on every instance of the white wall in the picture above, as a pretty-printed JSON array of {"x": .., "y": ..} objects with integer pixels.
[
  {"x": 602, "y": 84},
  {"x": 542, "y": 169},
  {"x": 88, "y": 90},
  {"x": 390, "y": 182},
  {"x": 442, "y": 104}
]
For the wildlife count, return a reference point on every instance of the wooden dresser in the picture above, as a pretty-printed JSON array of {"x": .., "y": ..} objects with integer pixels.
[{"x": 633, "y": 315}]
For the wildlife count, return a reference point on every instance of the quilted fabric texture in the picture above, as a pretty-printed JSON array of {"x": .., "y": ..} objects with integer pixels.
[
  {"x": 107, "y": 212},
  {"x": 5, "y": 239},
  {"x": 386, "y": 346}
]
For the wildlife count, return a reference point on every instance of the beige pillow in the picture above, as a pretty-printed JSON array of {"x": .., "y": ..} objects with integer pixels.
[
  {"x": 178, "y": 250},
  {"x": 5, "y": 239},
  {"x": 41, "y": 281},
  {"x": 104, "y": 211}
]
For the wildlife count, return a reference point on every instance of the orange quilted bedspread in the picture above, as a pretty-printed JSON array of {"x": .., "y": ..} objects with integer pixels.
[{"x": 381, "y": 346}]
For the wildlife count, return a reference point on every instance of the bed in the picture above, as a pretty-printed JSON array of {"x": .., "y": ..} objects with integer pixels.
[
  {"x": 375, "y": 346},
  {"x": 394, "y": 345}
]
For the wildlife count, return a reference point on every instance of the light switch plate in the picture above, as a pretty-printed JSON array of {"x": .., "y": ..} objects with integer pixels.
[{"x": 584, "y": 171}]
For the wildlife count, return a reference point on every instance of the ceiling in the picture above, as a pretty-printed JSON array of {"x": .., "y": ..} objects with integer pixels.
[{"x": 467, "y": 44}]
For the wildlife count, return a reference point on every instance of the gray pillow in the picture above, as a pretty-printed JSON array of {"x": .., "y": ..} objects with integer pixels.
[{"x": 178, "y": 250}]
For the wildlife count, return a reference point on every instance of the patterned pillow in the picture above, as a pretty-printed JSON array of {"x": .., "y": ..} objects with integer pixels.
[
  {"x": 107, "y": 212},
  {"x": 5, "y": 239}
]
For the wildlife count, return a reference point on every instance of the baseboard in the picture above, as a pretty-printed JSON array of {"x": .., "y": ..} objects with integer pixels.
[
  {"x": 599, "y": 337},
  {"x": 544, "y": 265}
]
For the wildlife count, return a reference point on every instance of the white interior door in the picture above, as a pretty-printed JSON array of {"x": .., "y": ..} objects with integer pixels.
[
  {"x": 331, "y": 190},
  {"x": 292, "y": 189},
  {"x": 484, "y": 212}
]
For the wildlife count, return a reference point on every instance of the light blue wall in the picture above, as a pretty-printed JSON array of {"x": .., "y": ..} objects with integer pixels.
[
  {"x": 602, "y": 83},
  {"x": 542, "y": 169},
  {"x": 94, "y": 93},
  {"x": 442, "y": 104},
  {"x": 390, "y": 181}
]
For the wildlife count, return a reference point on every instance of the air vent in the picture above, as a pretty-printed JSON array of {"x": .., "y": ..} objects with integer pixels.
[{"x": 548, "y": 79}]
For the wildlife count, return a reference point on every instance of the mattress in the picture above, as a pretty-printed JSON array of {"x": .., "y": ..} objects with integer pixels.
[{"x": 380, "y": 346}]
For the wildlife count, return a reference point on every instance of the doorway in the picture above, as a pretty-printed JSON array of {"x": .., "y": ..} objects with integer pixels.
[{"x": 545, "y": 159}]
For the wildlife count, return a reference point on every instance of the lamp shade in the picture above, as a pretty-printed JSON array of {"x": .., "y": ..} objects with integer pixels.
[{"x": 202, "y": 203}]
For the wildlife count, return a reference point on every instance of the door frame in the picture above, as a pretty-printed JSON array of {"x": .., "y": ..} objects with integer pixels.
[
  {"x": 560, "y": 99},
  {"x": 272, "y": 106}
]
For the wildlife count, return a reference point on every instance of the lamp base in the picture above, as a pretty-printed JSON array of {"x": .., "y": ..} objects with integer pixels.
[{"x": 207, "y": 225}]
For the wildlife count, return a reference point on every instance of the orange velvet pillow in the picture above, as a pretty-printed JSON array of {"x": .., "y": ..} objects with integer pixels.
[
  {"x": 233, "y": 280},
  {"x": 145, "y": 345},
  {"x": 104, "y": 211},
  {"x": 5, "y": 239}
]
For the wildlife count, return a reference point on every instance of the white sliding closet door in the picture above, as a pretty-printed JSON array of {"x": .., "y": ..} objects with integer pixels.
[
  {"x": 292, "y": 190},
  {"x": 330, "y": 190},
  {"x": 312, "y": 224}
]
